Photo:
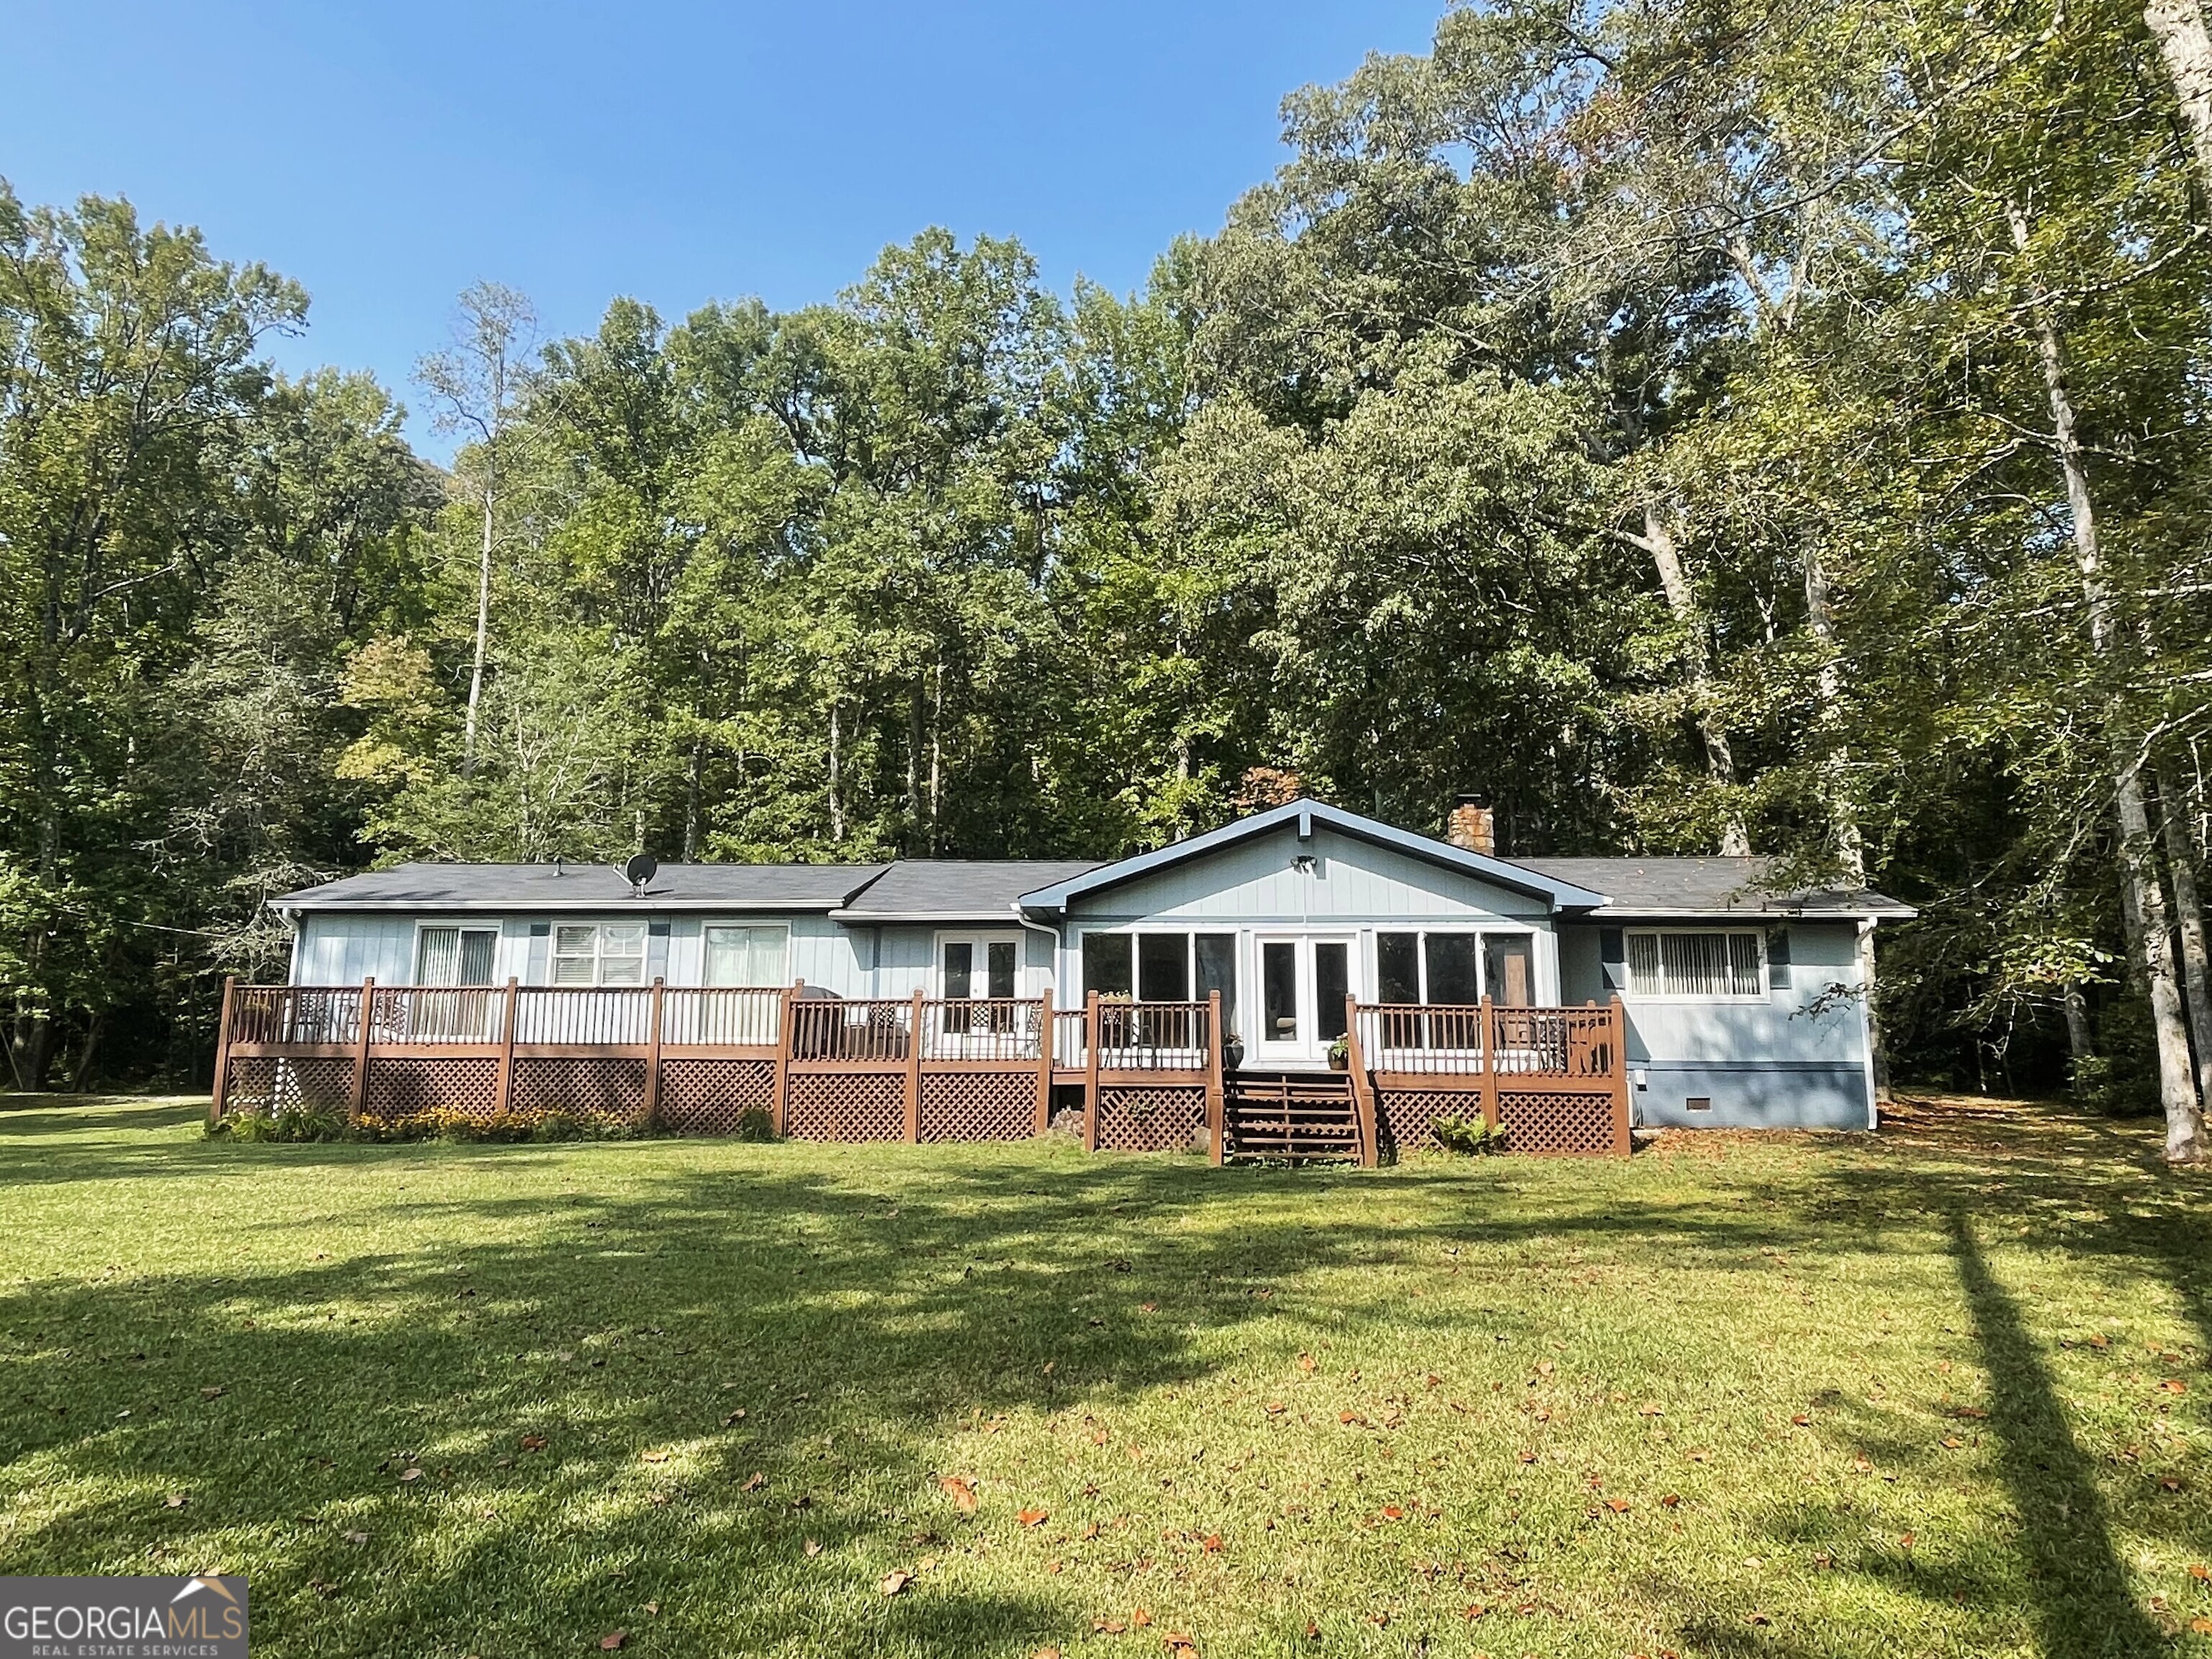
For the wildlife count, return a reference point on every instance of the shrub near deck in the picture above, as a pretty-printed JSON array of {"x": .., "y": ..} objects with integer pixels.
[{"x": 1942, "y": 1392}]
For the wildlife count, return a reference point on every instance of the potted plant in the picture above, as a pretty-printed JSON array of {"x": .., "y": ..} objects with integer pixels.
[{"x": 1339, "y": 1055}]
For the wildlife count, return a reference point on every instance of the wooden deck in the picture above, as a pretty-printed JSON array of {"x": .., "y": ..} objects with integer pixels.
[{"x": 1144, "y": 1076}]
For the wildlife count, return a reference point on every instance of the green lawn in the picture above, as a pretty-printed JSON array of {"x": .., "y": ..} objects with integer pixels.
[{"x": 1939, "y": 1392}]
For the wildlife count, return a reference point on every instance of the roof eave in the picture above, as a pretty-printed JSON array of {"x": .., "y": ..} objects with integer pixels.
[{"x": 1559, "y": 894}]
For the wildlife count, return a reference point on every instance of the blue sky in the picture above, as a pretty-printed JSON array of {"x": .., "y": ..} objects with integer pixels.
[{"x": 387, "y": 155}]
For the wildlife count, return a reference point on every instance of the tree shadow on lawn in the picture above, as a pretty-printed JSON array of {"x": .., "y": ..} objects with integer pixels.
[{"x": 857, "y": 1325}]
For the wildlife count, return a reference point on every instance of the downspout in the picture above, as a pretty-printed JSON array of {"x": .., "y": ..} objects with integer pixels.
[
  {"x": 1058, "y": 946},
  {"x": 1866, "y": 925}
]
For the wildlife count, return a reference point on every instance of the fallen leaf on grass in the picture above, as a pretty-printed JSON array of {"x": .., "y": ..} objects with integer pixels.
[
  {"x": 533, "y": 1442},
  {"x": 1670, "y": 1500},
  {"x": 1802, "y": 1419},
  {"x": 737, "y": 1416},
  {"x": 895, "y": 1581},
  {"x": 1527, "y": 1457},
  {"x": 1760, "y": 1619},
  {"x": 1701, "y": 1457},
  {"x": 1475, "y": 1610},
  {"x": 1098, "y": 1436},
  {"x": 1618, "y": 1505},
  {"x": 1651, "y": 1408},
  {"x": 613, "y": 1640},
  {"x": 1905, "y": 1542},
  {"x": 213, "y": 1393},
  {"x": 1148, "y": 1307},
  {"x": 2199, "y": 1572},
  {"x": 1034, "y": 1517},
  {"x": 1305, "y": 1362},
  {"x": 175, "y": 1500},
  {"x": 653, "y": 1457},
  {"x": 1352, "y": 1417},
  {"x": 2174, "y": 1385},
  {"x": 1952, "y": 1442},
  {"x": 1276, "y": 1408},
  {"x": 411, "y": 1474},
  {"x": 756, "y": 1483},
  {"x": 652, "y": 1609},
  {"x": 961, "y": 1492},
  {"x": 1046, "y": 1653},
  {"x": 323, "y": 1587},
  {"x": 1392, "y": 1512},
  {"x": 1109, "y": 1626},
  {"x": 1178, "y": 1645},
  {"x": 2202, "y": 1626},
  {"x": 356, "y": 1539},
  {"x": 1211, "y": 1543}
]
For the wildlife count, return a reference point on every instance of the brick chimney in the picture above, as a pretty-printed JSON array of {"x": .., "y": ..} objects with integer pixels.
[{"x": 1471, "y": 826}]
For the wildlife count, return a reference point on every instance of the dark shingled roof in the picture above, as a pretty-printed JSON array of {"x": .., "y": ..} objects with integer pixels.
[
  {"x": 958, "y": 889},
  {"x": 1707, "y": 887},
  {"x": 589, "y": 886}
]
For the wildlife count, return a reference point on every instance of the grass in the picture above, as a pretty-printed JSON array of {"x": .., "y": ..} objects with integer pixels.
[{"x": 1942, "y": 1391}]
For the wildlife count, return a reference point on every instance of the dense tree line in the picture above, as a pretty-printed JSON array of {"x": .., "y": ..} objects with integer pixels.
[{"x": 1704, "y": 425}]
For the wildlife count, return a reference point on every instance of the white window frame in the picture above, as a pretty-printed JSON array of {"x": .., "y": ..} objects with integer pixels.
[
  {"x": 554, "y": 956},
  {"x": 1630, "y": 993},
  {"x": 1189, "y": 932},
  {"x": 415, "y": 966},
  {"x": 980, "y": 973},
  {"x": 784, "y": 928},
  {"x": 1481, "y": 935}
]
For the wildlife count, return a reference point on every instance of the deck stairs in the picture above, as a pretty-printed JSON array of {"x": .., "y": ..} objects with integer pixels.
[{"x": 1290, "y": 1117}]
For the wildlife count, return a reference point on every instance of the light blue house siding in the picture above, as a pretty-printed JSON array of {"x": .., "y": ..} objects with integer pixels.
[
  {"x": 857, "y": 960},
  {"x": 1799, "y": 1056},
  {"x": 1276, "y": 886},
  {"x": 1795, "y": 1052}
]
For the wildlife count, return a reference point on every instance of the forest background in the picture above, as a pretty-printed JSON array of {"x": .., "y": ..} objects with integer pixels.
[{"x": 1698, "y": 425}]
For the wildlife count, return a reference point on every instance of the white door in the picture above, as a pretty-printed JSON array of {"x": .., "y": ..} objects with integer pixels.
[{"x": 1299, "y": 1011}]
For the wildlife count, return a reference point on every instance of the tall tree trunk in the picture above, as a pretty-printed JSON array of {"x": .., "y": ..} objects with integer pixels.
[
  {"x": 1843, "y": 809},
  {"x": 484, "y": 631},
  {"x": 936, "y": 754},
  {"x": 2079, "y": 1047},
  {"x": 837, "y": 800},
  {"x": 2177, "y": 26},
  {"x": 1720, "y": 759},
  {"x": 2141, "y": 892},
  {"x": 2195, "y": 968},
  {"x": 691, "y": 802}
]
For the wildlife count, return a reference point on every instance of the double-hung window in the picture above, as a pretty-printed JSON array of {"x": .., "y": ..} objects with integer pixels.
[
  {"x": 1687, "y": 963},
  {"x": 745, "y": 956},
  {"x": 599, "y": 953}
]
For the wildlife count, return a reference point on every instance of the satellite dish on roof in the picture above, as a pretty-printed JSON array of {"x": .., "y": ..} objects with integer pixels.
[{"x": 641, "y": 869}]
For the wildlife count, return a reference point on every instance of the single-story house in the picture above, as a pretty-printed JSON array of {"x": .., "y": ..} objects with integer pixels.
[{"x": 1741, "y": 1005}]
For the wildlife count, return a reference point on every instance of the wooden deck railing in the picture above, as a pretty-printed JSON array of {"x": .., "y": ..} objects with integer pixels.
[
  {"x": 1481, "y": 1052},
  {"x": 1499, "y": 1060}
]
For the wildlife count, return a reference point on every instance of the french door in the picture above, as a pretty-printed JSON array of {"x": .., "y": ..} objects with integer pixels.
[{"x": 1304, "y": 979}]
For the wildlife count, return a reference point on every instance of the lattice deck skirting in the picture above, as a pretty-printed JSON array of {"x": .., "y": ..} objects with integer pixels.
[
  {"x": 1556, "y": 1121},
  {"x": 401, "y": 1088},
  {"x": 1150, "y": 1118},
  {"x": 1408, "y": 1115},
  {"x": 979, "y": 1105},
  {"x": 846, "y": 1106},
  {"x": 711, "y": 1096}
]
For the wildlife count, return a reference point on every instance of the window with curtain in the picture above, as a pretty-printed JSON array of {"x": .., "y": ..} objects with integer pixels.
[
  {"x": 1687, "y": 964},
  {"x": 746, "y": 955},
  {"x": 455, "y": 955}
]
